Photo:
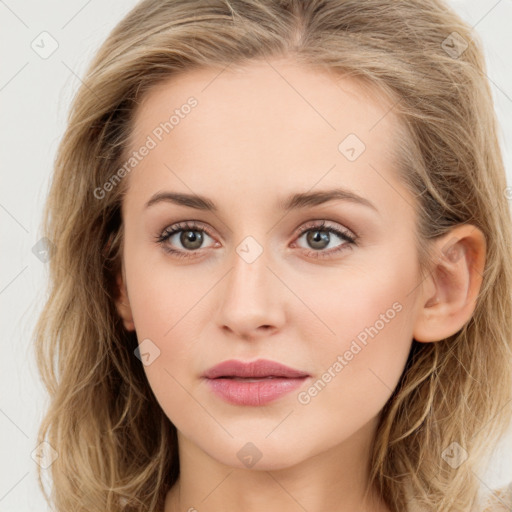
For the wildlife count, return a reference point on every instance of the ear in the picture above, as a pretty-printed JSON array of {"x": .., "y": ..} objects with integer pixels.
[
  {"x": 123, "y": 303},
  {"x": 449, "y": 294}
]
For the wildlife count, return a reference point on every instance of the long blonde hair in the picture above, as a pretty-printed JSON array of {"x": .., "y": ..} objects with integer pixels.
[{"x": 116, "y": 448}]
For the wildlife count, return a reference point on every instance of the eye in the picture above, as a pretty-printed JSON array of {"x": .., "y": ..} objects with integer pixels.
[
  {"x": 319, "y": 235},
  {"x": 189, "y": 234}
]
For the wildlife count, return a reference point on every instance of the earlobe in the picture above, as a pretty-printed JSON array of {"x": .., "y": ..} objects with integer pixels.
[
  {"x": 451, "y": 290},
  {"x": 123, "y": 304}
]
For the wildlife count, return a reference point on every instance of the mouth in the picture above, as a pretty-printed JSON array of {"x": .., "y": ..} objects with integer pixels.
[{"x": 255, "y": 383}]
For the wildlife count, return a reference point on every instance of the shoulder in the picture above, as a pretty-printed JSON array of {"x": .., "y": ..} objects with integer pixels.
[{"x": 499, "y": 500}]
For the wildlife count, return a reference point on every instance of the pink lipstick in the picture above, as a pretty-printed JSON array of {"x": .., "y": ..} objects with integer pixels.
[{"x": 254, "y": 383}]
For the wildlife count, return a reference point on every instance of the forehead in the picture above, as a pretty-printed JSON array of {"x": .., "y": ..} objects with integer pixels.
[{"x": 265, "y": 123}]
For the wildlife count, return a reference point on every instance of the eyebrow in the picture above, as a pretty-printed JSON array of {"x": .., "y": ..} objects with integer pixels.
[{"x": 293, "y": 202}]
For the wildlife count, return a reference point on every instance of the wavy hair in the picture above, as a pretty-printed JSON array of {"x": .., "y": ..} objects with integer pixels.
[{"x": 456, "y": 390}]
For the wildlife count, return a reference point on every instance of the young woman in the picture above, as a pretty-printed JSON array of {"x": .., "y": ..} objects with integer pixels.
[{"x": 282, "y": 272}]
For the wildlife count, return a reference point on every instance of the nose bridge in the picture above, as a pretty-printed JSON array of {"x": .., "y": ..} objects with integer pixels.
[{"x": 251, "y": 298}]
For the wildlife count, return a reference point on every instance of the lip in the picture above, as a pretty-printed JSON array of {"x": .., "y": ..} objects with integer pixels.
[
  {"x": 260, "y": 368},
  {"x": 253, "y": 383}
]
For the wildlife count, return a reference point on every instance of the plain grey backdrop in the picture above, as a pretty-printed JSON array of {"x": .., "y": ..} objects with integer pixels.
[{"x": 45, "y": 47}]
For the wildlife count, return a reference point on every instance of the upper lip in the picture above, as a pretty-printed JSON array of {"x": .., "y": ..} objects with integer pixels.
[{"x": 254, "y": 369}]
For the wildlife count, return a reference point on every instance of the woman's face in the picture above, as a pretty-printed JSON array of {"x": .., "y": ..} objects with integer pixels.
[{"x": 250, "y": 279}]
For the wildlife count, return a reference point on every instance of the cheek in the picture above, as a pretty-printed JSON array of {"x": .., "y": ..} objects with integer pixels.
[
  {"x": 366, "y": 336},
  {"x": 356, "y": 305},
  {"x": 359, "y": 368},
  {"x": 163, "y": 296},
  {"x": 165, "y": 312}
]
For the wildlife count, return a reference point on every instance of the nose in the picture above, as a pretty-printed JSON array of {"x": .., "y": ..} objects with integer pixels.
[{"x": 252, "y": 299}]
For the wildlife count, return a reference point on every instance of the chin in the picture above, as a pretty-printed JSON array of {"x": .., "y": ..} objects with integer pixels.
[{"x": 259, "y": 455}]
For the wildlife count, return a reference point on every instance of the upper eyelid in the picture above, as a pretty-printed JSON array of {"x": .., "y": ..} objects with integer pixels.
[
  {"x": 299, "y": 231},
  {"x": 325, "y": 224},
  {"x": 186, "y": 225}
]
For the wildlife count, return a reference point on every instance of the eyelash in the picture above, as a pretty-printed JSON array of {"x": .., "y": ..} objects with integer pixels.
[{"x": 309, "y": 226}]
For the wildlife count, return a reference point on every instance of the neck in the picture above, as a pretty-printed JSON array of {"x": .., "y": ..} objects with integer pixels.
[{"x": 335, "y": 480}]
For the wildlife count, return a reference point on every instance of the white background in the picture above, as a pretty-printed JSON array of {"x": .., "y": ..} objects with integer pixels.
[{"x": 34, "y": 98}]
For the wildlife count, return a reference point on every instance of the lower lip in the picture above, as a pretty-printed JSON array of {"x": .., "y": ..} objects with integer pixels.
[{"x": 261, "y": 392}]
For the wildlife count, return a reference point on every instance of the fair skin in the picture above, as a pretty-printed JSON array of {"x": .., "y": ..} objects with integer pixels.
[{"x": 254, "y": 139}]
